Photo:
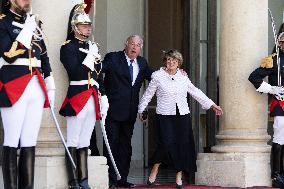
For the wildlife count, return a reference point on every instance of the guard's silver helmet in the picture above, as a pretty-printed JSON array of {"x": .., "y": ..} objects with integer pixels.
[
  {"x": 80, "y": 16},
  {"x": 281, "y": 37}
]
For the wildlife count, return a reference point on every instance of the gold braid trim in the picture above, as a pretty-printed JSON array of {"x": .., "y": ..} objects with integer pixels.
[
  {"x": 43, "y": 53},
  {"x": 267, "y": 62},
  {"x": 2, "y": 16},
  {"x": 34, "y": 43},
  {"x": 66, "y": 42},
  {"x": 13, "y": 51}
]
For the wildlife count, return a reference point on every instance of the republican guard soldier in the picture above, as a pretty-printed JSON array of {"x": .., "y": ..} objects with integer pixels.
[
  {"x": 82, "y": 61},
  {"x": 274, "y": 70},
  {"x": 26, "y": 87}
]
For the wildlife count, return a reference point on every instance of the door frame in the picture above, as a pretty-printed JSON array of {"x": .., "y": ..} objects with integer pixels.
[{"x": 191, "y": 54}]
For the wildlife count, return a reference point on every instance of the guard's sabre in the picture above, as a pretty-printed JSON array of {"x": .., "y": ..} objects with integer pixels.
[
  {"x": 102, "y": 124},
  {"x": 61, "y": 136},
  {"x": 276, "y": 47}
]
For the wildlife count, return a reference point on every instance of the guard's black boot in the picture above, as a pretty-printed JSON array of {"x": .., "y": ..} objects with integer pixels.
[
  {"x": 82, "y": 159},
  {"x": 9, "y": 167},
  {"x": 276, "y": 166},
  {"x": 26, "y": 168},
  {"x": 71, "y": 172},
  {"x": 93, "y": 144}
]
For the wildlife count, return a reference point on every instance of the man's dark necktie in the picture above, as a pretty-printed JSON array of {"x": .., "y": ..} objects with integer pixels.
[{"x": 131, "y": 70}]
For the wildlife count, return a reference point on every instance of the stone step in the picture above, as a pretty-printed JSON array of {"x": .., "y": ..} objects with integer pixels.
[{"x": 50, "y": 173}]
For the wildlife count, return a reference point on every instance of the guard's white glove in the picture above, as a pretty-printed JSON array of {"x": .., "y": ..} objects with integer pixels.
[
  {"x": 51, "y": 97},
  {"x": 49, "y": 82},
  {"x": 275, "y": 90},
  {"x": 25, "y": 36},
  {"x": 92, "y": 56},
  {"x": 278, "y": 92},
  {"x": 93, "y": 49},
  {"x": 267, "y": 88},
  {"x": 50, "y": 86},
  {"x": 104, "y": 106}
]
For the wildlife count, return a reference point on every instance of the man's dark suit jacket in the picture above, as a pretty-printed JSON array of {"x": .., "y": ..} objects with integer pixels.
[{"x": 123, "y": 97}]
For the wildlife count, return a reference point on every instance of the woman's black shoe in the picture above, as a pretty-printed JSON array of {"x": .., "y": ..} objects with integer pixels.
[
  {"x": 178, "y": 186},
  {"x": 151, "y": 184}
]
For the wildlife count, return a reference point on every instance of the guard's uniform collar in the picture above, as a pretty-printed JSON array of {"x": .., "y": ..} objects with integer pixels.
[
  {"x": 17, "y": 17},
  {"x": 81, "y": 41}
]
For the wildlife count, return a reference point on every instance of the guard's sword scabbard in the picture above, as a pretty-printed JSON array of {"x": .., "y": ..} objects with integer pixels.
[{"x": 277, "y": 48}]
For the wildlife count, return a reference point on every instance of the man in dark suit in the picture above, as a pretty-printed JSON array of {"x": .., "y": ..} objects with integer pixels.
[{"x": 125, "y": 72}]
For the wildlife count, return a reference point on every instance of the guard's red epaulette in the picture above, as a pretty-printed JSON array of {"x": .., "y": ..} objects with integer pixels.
[{"x": 267, "y": 62}]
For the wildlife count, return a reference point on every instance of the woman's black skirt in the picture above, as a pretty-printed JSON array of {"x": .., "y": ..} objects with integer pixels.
[{"x": 175, "y": 143}]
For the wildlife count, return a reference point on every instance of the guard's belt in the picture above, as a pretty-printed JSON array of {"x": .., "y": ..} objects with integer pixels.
[
  {"x": 22, "y": 62},
  {"x": 91, "y": 82}
]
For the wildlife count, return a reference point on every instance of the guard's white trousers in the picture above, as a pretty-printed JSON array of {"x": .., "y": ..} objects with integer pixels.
[
  {"x": 21, "y": 122},
  {"x": 80, "y": 127},
  {"x": 278, "y": 128}
]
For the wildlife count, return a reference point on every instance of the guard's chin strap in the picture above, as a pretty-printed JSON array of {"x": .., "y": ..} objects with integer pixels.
[{"x": 80, "y": 33}]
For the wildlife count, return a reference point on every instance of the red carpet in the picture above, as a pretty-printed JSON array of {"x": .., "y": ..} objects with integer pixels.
[{"x": 196, "y": 187}]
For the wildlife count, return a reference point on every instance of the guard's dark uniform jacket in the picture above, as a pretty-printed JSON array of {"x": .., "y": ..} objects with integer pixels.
[
  {"x": 78, "y": 94},
  {"x": 269, "y": 68},
  {"x": 14, "y": 74}
]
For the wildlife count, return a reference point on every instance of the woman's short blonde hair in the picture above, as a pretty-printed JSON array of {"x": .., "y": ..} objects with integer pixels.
[{"x": 172, "y": 53}]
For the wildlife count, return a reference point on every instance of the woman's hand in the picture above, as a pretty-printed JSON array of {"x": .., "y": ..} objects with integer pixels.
[
  {"x": 217, "y": 109},
  {"x": 143, "y": 116},
  {"x": 183, "y": 73},
  {"x": 140, "y": 115}
]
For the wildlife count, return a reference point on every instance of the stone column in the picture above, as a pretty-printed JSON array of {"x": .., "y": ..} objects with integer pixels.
[
  {"x": 241, "y": 157},
  {"x": 50, "y": 163}
]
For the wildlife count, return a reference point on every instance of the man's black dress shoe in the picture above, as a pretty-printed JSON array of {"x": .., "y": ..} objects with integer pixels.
[
  {"x": 125, "y": 184},
  {"x": 112, "y": 186},
  {"x": 151, "y": 184},
  {"x": 178, "y": 186}
]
